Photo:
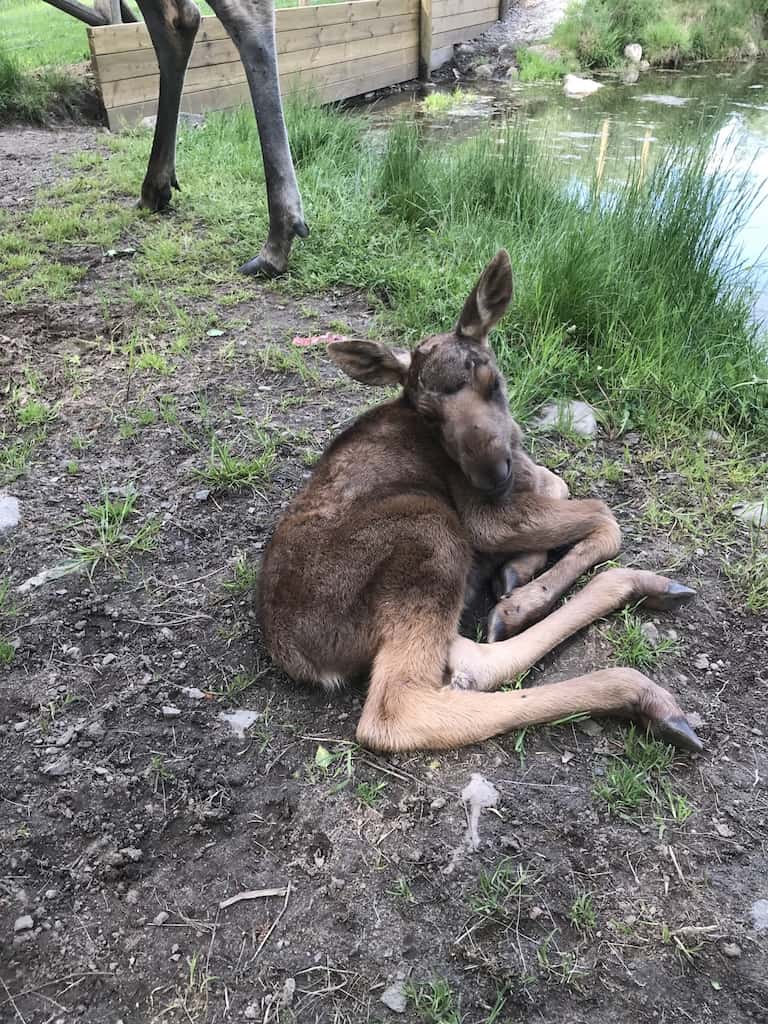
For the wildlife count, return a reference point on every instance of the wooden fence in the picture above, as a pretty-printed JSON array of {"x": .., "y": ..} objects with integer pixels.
[{"x": 337, "y": 49}]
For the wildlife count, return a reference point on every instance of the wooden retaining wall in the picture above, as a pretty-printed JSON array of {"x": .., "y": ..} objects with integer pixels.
[{"x": 338, "y": 50}]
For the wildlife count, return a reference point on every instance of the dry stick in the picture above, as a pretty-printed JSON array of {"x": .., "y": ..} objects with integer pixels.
[
  {"x": 275, "y": 923},
  {"x": 254, "y": 894},
  {"x": 17, "y": 1011}
]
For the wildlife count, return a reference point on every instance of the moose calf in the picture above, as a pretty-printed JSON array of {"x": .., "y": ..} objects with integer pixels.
[{"x": 415, "y": 507}]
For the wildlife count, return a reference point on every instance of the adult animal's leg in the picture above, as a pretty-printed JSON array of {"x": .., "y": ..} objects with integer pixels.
[
  {"x": 172, "y": 26},
  {"x": 251, "y": 24}
]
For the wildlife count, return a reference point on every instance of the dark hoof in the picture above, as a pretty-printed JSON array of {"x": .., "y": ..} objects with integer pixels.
[
  {"x": 675, "y": 595},
  {"x": 505, "y": 581},
  {"x": 496, "y": 629},
  {"x": 157, "y": 198},
  {"x": 260, "y": 267},
  {"x": 677, "y": 732}
]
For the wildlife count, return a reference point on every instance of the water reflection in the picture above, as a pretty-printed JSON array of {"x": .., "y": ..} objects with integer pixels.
[{"x": 724, "y": 108}]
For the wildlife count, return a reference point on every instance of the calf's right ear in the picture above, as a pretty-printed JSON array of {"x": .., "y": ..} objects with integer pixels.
[{"x": 371, "y": 362}]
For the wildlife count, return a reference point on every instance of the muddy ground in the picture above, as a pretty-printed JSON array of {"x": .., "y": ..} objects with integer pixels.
[{"x": 129, "y": 809}]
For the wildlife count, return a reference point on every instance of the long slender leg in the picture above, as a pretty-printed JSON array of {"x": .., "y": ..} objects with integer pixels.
[
  {"x": 251, "y": 24},
  {"x": 487, "y": 666},
  {"x": 172, "y": 26}
]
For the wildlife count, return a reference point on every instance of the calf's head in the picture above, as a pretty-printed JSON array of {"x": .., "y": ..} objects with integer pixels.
[{"x": 452, "y": 380}]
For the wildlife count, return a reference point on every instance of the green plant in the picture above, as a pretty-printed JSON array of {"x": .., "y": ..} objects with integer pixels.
[
  {"x": 638, "y": 779},
  {"x": 110, "y": 537},
  {"x": 434, "y": 1002},
  {"x": 631, "y": 646},
  {"x": 368, "y": 793},
  {"x": 225, "y": 470},
  {"x": 535, "y": 67},
  {"x": 244, "y": 576},
  {"x": 582, "y": 913},
  {"x": 495, "y": 888},
  {"x": 7, "y": 651},
  {"x": 401, "y": 890}
]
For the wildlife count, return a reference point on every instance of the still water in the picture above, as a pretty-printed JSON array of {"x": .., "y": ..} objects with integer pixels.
[{"x": 721, "y": 107}]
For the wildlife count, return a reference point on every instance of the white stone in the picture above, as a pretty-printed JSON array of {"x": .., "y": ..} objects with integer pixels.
[
  {"x": 759, "y": 914},
  {"x": 9, "y": 513},
  {"x": 239, "y": 720},
  {"x": 394, "y": 997},
  {"x": 753, "y": 512},
  {"x": 578, "y": 88},
  {"x": 633, "y": 52},
  {"x": 23, "y": 924},
  {"x": 569, "y": 416}
]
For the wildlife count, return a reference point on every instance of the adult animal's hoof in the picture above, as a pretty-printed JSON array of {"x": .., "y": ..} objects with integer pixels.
[
  {"x": 679, "y": 733},
  {"x": 259, "y": 266},
  {"x": 675, "y": 595}
]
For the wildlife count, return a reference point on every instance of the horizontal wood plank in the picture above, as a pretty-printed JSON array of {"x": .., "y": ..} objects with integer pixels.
[
  {"x": 118, "y": 38},
  {"x": 447, "y": 8},
  {"x": 232, "y": 96},
  {"x": 136, "y": 63},
  {"x": 442, "y": 40},
  {"x": 468, "y": 19}
]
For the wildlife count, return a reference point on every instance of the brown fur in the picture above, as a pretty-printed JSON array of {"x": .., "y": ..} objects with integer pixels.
[{"x": 369, "y": 567}]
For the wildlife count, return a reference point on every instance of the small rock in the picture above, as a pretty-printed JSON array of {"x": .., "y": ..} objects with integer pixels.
[
  {"x": 753, "y": 512},
  {"x": 590, "y": 727},
  {"x": 252, "y": 1012},
  {"x": 202, "y": 495},
  {"x": 95, "y": 731},
  {"x": 192, "y": 692},
  {"x": 701, "y": 662},
  {"x": 570, "y": 416},
  {"x": 51, "y": 894},
  {"x": 80, "y": 625},
  {"x": 513, "y": 73},
  {"x": 759, "y": 914},
  {"x": 239, "y": 720},
  {"x": 713, "y": 436},
  {"x": 437, "y": 804},
  {"x": 170, "y": 711},
  {"x": 645, "y": 65},
  {"x": 65, "y": 738},
  {"x": 108, "y": 659},
  {"x": 535, "y": 912},
  {"x": 160, "y": 918},
  {"x": 483, "y": 72},
  {"x": 394, "y": 997},
  {"x": 633, "y": 52},
  {"x": 9, "y": 513},
  {"x": 289, "y": 990},
  {"x": 724, "y": 830},
  {"x": 731, "y": 949},
  {"x": 577, "y": 88},
  {"x": 651, "y": 633},
  {"x": 23, "y": 924},
  {"x": 465, "y": 49}
]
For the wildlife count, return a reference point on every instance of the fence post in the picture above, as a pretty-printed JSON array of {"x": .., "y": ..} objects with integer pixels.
[
  {"x": 425, "y": 39},
  {"x": 504, "y": 6}
]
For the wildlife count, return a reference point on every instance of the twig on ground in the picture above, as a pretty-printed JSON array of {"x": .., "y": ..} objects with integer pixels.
[
  {"x": 254, "y": 894},
  {"x": 275, "y": 923}
]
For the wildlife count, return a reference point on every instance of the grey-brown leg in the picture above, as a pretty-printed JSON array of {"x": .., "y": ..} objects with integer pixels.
[
  {"x": 172, "y": 26},
  {"x": 251, "y": 24}
]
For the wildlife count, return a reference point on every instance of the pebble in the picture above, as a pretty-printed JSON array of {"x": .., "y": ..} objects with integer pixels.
[
  {"x": 759, "y": 914},
  {"x": 569, "y": 416},
  {"x": 170, "y": 711},
  {"x": 95, "y": 731},
  {"x": 701, "y": 662},
  {"x": 80, "y": 624},
  {"x": 437, "y": 804},
  {"x": 161, "y": 918},
  {"x": 483, "y": 72},
  {"x": 394, "y": 997},
  {"x": 23, "y": 924},
  {"x": 108, "y": 659},
  {"x": 731, "y": 949},
  {"x": 651, "y": 633},
  {"x": 9, "y": 513}
]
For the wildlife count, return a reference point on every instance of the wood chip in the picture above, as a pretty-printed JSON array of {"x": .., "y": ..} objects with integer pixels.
[{"x": 252, "y": 894}]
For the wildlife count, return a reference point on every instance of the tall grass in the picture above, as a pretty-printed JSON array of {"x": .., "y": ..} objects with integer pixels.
[
  {"x": 670, "y": 32},
  {"x": 37, "y": 96},
  {"x": 629, "y": 296}
]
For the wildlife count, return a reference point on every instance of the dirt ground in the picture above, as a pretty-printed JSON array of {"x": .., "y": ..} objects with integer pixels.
[{"x": 129, "y": 809}]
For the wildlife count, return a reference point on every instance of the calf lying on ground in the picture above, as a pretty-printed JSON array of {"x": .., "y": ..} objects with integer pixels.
[{"x": 414, "y": 509}]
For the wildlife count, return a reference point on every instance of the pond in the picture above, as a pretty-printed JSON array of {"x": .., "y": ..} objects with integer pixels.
[{"x": 722, "y": 107}]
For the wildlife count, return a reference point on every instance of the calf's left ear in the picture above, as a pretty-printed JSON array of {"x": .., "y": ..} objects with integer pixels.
[
  {"x": 488, "y": 301},
  {"x": 371, "y": 362}
]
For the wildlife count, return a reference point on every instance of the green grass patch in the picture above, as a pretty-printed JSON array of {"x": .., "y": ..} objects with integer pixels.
[
  {"x": 535, "y": 67},
  {"x": 440, "y": 102},
  {"x": 39, "y": 95},
  {"x": 670, "y": 33},
  {"x": 631, "y": 645},
  {"x": 112, "y": 533}
]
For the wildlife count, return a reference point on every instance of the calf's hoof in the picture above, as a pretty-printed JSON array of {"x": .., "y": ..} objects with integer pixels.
[
  {"x": 675, "y": 595},
  {"x": 272, "y": 261},
  {"x": 679, "y": 733},
  {"x": 156, "y": 196}
]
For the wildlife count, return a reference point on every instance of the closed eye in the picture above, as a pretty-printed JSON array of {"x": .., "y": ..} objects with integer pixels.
[{"x": 452, "y": 389}]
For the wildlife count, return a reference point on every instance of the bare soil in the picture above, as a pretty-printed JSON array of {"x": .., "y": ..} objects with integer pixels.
[{"x": 129, "y": 810}]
